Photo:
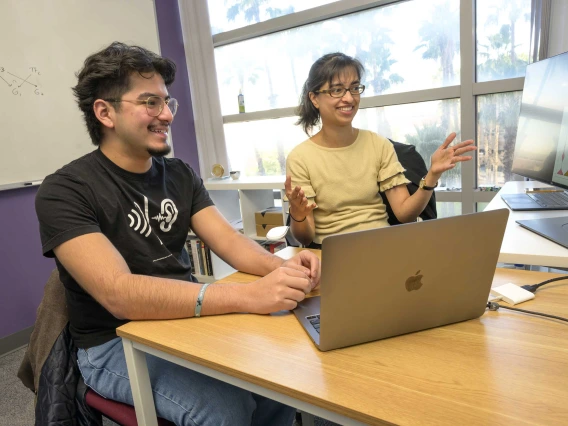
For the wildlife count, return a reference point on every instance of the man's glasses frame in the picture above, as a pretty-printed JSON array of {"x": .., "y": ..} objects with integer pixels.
[
  {"x": 154, "y": 104},
  {"x": 339, "y": 92}
]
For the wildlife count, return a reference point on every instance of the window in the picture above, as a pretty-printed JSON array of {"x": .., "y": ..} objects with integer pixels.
[
  {"x": 497, "y": 117},
  {"x": 271, "y": 69},
  {"x": 503, "y": 38},
  {"x": 226, "y": 15},
  {"x": 259, "y": 148},
  {"x": 424, "y": 125},
  {"x": 448, "y": 209},
  {"x": 419, "y": 83}
]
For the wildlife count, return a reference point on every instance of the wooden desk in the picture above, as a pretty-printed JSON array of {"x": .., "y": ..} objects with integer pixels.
[
  {"x": 502, "y": 368},
  {"x": 521, "y": 245}
]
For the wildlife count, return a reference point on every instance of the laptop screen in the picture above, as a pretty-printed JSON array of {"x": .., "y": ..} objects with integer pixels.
[{"x": 541, "y": 147}]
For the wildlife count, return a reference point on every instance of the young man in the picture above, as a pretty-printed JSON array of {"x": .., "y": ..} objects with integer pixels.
[{"x": 116, "y": 221}]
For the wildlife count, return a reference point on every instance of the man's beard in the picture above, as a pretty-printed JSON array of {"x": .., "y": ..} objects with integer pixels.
[{"x": 160, "y": 152}]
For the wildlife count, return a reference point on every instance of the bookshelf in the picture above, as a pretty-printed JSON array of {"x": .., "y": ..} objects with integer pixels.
[{"x": 240, "y": 199}]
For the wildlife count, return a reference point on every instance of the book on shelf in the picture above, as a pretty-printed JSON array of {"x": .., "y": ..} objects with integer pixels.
[
  {"x": 208, "y": 261},
  {"x": 193, "y": 243},
  {"x": 200, "y": 256},
  {"x": 190, "y": 254},
  {"x": 204, "y": 258}
]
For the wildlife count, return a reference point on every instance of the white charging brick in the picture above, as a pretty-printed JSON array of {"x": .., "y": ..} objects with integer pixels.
[{"x": 512, "y": 293}]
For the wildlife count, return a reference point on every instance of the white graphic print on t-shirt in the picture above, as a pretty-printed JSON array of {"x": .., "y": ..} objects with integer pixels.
[
  {"x": 140, "y": 222},
  {"x": 141, "y": 218},
  {"x": 168, "y": 215}
]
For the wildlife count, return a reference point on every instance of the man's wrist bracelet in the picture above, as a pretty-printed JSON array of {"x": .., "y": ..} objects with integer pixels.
[
  {"x": 295, "y": 220},
  {"x": 199, "y": 301}
]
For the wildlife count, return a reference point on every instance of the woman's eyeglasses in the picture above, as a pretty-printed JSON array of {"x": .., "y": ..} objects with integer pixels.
[{"x": 339, "y": 92}]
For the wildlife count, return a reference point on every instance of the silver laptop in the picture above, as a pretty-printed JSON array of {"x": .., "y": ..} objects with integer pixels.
[{"x": 385, "y": 282}]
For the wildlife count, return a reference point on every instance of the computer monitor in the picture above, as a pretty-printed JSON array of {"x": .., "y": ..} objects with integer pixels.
[{"x": 541, "y": 148}]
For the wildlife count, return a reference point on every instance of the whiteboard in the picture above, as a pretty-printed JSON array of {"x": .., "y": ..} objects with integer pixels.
[{"x": 43, "y": 43}]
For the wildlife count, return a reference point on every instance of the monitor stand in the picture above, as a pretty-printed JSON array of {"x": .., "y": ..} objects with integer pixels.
[{"x": 553, "y": 228}]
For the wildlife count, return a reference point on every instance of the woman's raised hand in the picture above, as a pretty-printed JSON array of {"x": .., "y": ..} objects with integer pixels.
[
  {"x": 446, "y": 157},
  {"x": 299, "y": 207}
]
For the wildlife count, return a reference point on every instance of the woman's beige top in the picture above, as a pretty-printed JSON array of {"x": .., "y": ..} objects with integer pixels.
[{"x": 345, "y": 182}]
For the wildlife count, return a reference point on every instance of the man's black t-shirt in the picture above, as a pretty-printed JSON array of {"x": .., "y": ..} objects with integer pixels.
[{"x": 145, "y": 216}]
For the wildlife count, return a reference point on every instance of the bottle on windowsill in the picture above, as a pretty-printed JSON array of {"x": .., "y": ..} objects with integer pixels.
[{"x": 241, "y": 99}]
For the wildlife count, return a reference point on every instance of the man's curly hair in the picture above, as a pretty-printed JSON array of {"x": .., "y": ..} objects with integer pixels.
[{"x": 106, "y": 74}]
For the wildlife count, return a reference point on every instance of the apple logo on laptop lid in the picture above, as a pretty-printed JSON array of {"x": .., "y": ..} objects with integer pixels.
[{"x": 414, "y": 282}]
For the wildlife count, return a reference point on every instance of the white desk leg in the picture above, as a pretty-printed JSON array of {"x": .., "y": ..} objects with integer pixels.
[
  {"x": 308, "y": 419},
  {"x": 140, "y": 385}
]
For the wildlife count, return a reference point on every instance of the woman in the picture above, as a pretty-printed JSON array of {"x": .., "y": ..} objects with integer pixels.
[{"x": 336, "y": 179}]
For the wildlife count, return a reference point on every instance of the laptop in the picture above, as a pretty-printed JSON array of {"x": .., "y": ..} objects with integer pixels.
[
  {"x": 553, "y": 228},
  {"x": 390, "y": 281},
  {"x": 544, "y": 199}
]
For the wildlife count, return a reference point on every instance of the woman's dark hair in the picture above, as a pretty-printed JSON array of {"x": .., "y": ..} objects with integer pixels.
[
  {"x": 322, "y": 71},
  {"x": 106, "y": 75}
]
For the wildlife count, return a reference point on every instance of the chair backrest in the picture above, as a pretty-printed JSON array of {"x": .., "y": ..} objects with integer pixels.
[{"x": 415, "y": 169}]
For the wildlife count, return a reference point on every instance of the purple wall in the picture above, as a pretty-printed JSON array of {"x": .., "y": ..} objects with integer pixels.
[
  {"x": 171, "y": 46},
  {"x": 23, "y": 269}
]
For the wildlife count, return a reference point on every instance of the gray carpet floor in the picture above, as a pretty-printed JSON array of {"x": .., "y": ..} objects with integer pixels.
[{"x": 16, "y": 401}]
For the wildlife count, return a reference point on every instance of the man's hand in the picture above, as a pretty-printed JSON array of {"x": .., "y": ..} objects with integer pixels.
[
  {"x": 282, "y": 289},
  {"x": 298, "y": 201},
  {"x": 307, "y": 262}
]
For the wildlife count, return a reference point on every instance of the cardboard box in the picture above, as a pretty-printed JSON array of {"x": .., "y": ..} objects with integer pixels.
[
  {"x": 262, "y": 230},
  {"x": 269, "y": 216}
]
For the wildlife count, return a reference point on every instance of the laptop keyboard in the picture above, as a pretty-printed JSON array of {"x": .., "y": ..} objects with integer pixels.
[
  {"x": 315, "y": 321},
  {"x": 550, "y": 199}
]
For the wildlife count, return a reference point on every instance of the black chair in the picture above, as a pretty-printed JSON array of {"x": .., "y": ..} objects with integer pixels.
[{"x": 416, "y": 169}]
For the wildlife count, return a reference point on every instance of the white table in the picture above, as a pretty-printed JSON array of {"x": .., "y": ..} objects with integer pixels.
[{"x": 521, "y": 245}]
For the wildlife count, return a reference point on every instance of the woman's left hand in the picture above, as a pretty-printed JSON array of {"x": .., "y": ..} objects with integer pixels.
[{"x": 446, "y": 157}]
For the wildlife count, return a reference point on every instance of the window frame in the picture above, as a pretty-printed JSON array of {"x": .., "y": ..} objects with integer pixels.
[{"x": 467, "y": 91}]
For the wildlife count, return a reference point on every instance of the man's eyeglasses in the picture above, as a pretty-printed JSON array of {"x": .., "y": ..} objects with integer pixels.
[
  {"x": 339, "y": 92},
  {"x": 154, "y": 104}
]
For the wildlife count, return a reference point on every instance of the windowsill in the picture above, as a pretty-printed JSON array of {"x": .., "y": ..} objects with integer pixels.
[{"x": 252, "y": 182}]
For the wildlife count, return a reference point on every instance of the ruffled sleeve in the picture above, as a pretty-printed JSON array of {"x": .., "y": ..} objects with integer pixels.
[
  {"x": 391, "y": 172},
  {"x": 397, "y": 179}
]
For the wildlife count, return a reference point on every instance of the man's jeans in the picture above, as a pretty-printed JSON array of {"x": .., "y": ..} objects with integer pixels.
[{"x": 182, "y": 396}]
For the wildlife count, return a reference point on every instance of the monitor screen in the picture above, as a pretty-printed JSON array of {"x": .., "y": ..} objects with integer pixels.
[{"x": 541, "y": 148}]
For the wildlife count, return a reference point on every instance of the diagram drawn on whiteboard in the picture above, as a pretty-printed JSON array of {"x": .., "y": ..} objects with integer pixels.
[{"x": 26, "y": 83}]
